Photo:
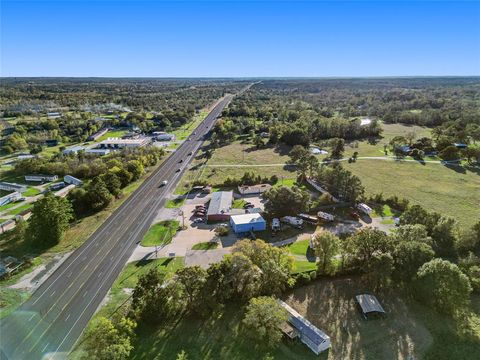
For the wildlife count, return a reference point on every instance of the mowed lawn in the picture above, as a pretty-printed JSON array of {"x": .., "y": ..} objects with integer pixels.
[{"x": 436, "y": 187}]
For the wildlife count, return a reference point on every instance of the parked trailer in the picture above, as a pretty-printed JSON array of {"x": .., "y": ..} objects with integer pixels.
[
  {"x": 325, "y": 216},
  {"x": 364, "y": 208},
  {"x": 293, "y": 221},
  {"x": 308, "y": 218}
]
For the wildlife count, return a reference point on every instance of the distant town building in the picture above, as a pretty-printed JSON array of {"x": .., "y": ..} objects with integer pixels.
[
  {"x": 163, "y": 136},
  {"x": 73, "y": 150},
  {"x": 25, "y": 157},
  {"x": 98, "y": 152},
  {"x": 117, "y": 143},
  {"x": 98, "y": 134},
  {"x": 41, "y": 178},
  {"x": 6, "y": 186},
  {"x": 69, "y": 179},
  {"x": 53, "y": 115}
]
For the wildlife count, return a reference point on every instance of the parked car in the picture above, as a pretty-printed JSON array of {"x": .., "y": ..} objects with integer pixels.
[
  {"x": 197, "y": 220},
  {"x": 354, "y": 215}
]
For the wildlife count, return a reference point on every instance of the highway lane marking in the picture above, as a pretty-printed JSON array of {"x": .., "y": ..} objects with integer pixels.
[
  {"x": 100, "y": 262},
  {"x": 139, "y": 227},
  {"x": 85, "y": 293},
  {"x": 93, "y": 241},
  {"x": 31, "y": 317},
  {"x": 45, "y": 347},
  {"x": 53, "y": 293},
  {"x": 67, "y": 317},
  {"x": 143, "y": 223}
]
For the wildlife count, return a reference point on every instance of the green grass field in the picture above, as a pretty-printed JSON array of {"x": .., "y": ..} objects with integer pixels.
[
  {"x": 19, "y": 209},
  {"x": 112, "y": 133},
  {"x": 31, "y": 192},
  {"x": 433, "y": 186},
  {"x": 185, "y": 130},
  {"x": 161, "y": 233}
]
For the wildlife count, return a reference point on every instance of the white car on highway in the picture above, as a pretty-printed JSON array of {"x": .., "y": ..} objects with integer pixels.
[{"x": 163, "y": 183}]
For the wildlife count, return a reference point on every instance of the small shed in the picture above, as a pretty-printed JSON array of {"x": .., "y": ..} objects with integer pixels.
[
  {"x": 247, "y": 222},
  {"x": 369, "y": 305}
]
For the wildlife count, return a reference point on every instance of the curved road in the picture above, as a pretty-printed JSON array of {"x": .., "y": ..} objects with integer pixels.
[{"x": 51, "y": 321}]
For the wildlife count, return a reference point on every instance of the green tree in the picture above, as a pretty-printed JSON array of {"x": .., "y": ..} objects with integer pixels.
[
  {"x": 442, "y": 284},
  {"x": 97, "y": 195},
  {"x": 365, "y": 243},
  {"x": 449, "y": 153},
  {"x": 408, "y": 257},
  {"x": 283, "y": 200},
  {"x": 412, "y": 233},
  {"x": 49, "y": 221},
  {"x": 182, "y": 355},
  {"x": 326, "y": 245},
  {"x": 191, "y": 280},
  {"x": 337, "y": 147},
  {"x": 380, "y": 269},
  {"x": 135, "y": 167},
  {"x": 263, "y": 318},
  {"x": 275, "y": 264},
  {"x": 112, "y": 182},
  {"x": 106, "y": 340}
]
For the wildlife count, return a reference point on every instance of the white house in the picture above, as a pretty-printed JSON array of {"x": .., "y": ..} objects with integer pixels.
[
  {"x": 41, "y": 178},
  {"x": 308, "y": 333},
  {"x": 118, "y": 143},
  {"x": 163, "y": 136},
  {"x": 73, "y": 150},
  {"x": 12, "y": 187},
  {"x": 12, "y": 197}
]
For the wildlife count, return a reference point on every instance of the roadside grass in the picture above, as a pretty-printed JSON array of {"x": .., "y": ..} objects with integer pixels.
[
  {"x": 185, "y": 130},
  {"x": 120, "y": 293},
  {"x": 10, "y": 299},
  {"x": 31, "y": 192},
  {"x": 448, "y": 191},
  {"x": 175, "y": 203},
  {"x": 161, "y": 233}
]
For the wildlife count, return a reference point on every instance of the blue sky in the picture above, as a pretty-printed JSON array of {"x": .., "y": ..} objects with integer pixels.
[{"x": 239, "y": 38}]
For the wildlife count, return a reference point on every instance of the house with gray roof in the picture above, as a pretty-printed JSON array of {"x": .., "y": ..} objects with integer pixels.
[{"x": 308, "y": 333}]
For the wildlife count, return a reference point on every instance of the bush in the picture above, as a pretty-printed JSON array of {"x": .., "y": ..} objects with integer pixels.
[
  {"x": 222, "y": 230},
  {"x": 313, "y": 275}
]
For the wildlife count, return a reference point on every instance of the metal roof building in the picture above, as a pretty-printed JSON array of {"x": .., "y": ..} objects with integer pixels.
[
  {"x": 369, "y": 304},
  {"x": 220, "y": 206},
  {"x": 247, "y": 222},
  {"x": 309, "y": 334}
]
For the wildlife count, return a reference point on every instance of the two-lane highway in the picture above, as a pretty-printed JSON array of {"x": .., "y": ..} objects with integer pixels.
[{"x": 52, "y": 320}]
